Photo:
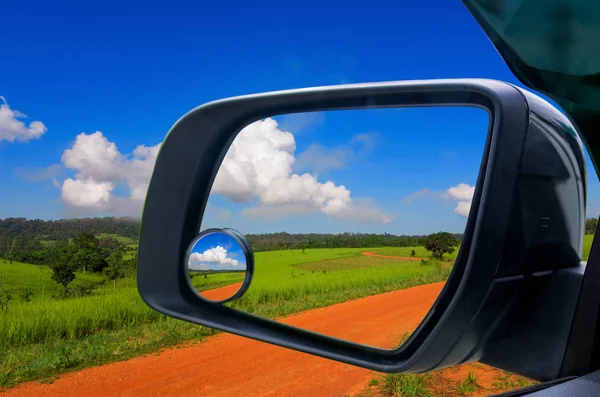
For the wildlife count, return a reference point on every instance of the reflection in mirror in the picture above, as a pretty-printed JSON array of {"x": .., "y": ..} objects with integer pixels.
[
  {"x": 217, "y": 266},
  {"x": 355, "y": 217}
]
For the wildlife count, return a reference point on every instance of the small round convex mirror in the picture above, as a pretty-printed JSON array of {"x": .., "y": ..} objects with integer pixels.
[{"x": 220, "y": 265}]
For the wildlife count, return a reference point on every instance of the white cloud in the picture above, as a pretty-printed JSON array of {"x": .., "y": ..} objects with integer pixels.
[
  {"x": 463, "y": 193},
  {"x": 12, "y": 129},
  {"x": 99, "y": 167},
  {"x": 259, "y": 165},
  {"x": 257, "y": 169},
  {"x": 216, "y": 256}
]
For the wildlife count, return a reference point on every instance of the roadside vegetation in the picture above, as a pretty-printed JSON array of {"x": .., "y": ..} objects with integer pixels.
[{"x": 77, "y": 305}]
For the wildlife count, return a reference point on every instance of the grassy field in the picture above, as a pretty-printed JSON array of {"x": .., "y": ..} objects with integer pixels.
[
  {"x": 420, "y": 252},
  {"x": 44, "y": 337},
  {"x": 37, "y": 279}
]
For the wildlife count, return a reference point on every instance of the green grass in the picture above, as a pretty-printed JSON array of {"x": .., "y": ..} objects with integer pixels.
[
  {"x": 351, "y": 263},
  {"x": 406, "y": 385},
  {"x": 37, "y": 279},
  {"x": 468, "y": 385},
  {"x": 420, "y": 252},
  {"x": 216, "y": 280},
  {"x": 279, "y": 277},
  {"x": 587, "y": 246},
  {"x": 122, "y": 239}
]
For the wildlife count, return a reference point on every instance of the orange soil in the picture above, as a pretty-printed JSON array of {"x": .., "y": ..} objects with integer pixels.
[
  {"x": 229, "y": 365},
  {"x": 217, "y": 294},
  {"x": 404, "y": 258}
]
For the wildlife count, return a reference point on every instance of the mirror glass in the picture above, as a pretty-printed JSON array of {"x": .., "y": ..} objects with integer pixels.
[
  {"x": 355, "y": 217},
  {"x": 217, "y": 266}
]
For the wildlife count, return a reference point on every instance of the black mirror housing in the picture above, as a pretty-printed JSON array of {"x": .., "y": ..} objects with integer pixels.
[{"x": 527, "y": 215}]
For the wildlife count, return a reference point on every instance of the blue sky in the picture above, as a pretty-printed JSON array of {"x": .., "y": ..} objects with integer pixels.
[{"x": 130, "y": 72}]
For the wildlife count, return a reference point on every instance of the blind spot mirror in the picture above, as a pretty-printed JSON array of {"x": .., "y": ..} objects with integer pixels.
[{"x": 220, "y": 265}]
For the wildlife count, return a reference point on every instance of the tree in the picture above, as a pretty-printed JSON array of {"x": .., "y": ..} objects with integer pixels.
[
  {"x": 440, "y": 243},
  {"x": 591, "y": 224},
  {"x": 303, "y": 246},
  {"x": 85, "y": 241},
  {"x": 108, "y": 245},
  {"x": 63, "y": 273},
  {"x": 413, "y": 253},
  {"x": 88, "y": 259},
  {"x": 114, "y": 270}
]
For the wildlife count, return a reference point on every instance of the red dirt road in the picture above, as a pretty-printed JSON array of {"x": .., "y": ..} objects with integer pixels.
[
  {"x": 404, "y": 258},
  {"x": 228, "y": 365},
  {"x": 217, "y": 294}
]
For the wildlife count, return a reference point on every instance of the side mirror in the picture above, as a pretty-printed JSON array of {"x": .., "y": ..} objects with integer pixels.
[{"x": 526, "y": 219}]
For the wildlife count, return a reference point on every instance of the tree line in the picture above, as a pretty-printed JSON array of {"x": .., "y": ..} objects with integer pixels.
[
  {"x": 282, "y": 241},
  {"x": 68, "y": 228}
]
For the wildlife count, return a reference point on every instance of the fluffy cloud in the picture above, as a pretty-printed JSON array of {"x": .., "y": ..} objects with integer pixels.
[
  {"x": 12, "y": 129},
  {"x": 259, "y": 165},
  {"x": 463, "y": 193},
  {"x": 257, "y": 169},
  {"x": 99, "y": 168},
  {"x": 216, "y": 256}
]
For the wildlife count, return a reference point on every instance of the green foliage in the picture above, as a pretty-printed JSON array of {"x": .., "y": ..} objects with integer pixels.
[
  {"x": 440, "y": 243},
  {"x": 63, "y": 273},
  {"x": 374, "y": 382},
  {"x": 591, "y": 224},
  {"x": 413, "y": 253},
  {"x": 68, "y": 228},
  {"x": 285, "y": 241},
  {"x": 87, "y": 259},
  {"x": 302, "y": 246},
  {"x": 468, "y": 385},
  {"x": 407, "y": 385},
  {"x": 114, "y": 270}
]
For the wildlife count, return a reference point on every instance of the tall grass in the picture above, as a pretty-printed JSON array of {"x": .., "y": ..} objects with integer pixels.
[
  {"x": 47, "y": 320},
  {"x": 77, "y": 318},
  {"x": 73, "y": 318}
]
